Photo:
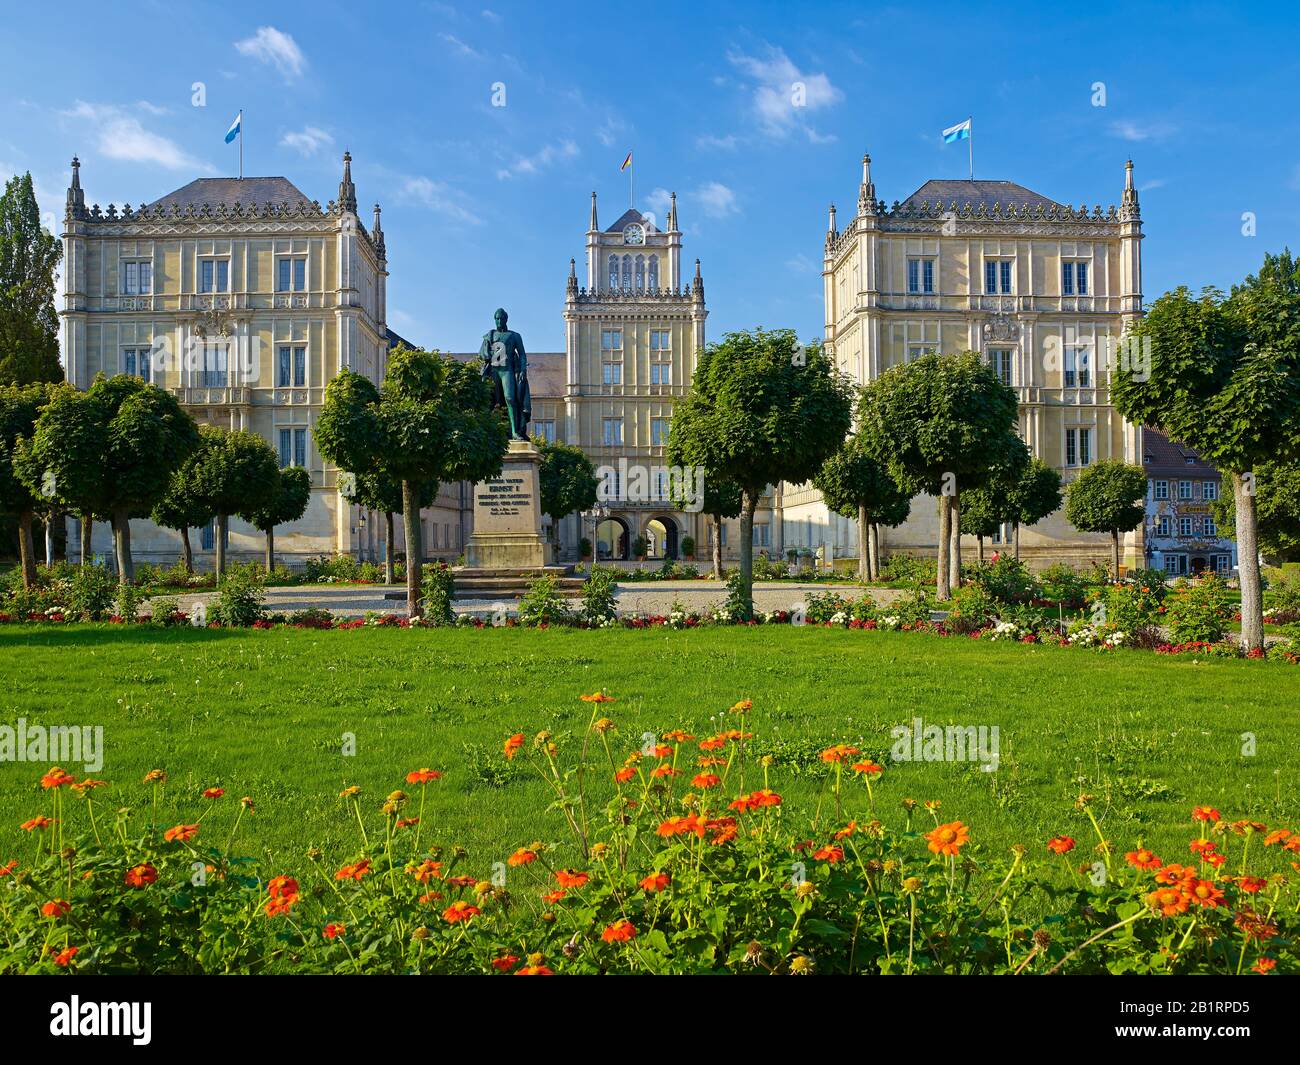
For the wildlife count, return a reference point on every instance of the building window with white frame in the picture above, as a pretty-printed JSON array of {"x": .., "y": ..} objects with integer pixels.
[
  {"x": 920, "y": 277},
  {"x": 293, "y": 447},
  {"x": 138, "y": 362},
  {"x": 1222, "y": 563},
  {"x": 1211, "y": 529},
  {"x": 291, "y": 274},
  {"x": 1184, "y": 526},
  {"x": 661, "y": 343},
  {"x": 915, "y": 351},
  {"x": 1078, "y": 447},
  {"x": 1162, "y": 525},
  {"x": 613, "y": 432},
  {"x": 291, "y": 368},
  {"x": 1002, "y": 361},
  {"x": 997, "y": 276},
  {"x": 1209, "y": 490},
  {"x": 1184, "y": 489},
  {"x": 1078, "y": 372},
  {"x": 214, "y": 275},
  {"x": 612, "y": 373},
  {"x": 659, "y": 428},
  {"x": 1159, "y": 489},
  {"x": 137, "y": 277},
  {"x": 545, "y": 429},
  {"x": 661, "y": 373},
  {"x": 1074, "y": 278}
]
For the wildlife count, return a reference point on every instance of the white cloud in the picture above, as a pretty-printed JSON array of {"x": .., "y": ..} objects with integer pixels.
[
  {"x": 1141, "y": 131},
  {"x": 658, "y": 201},
  {"x": 438, "y": 197},
  {"x": 306, "y": 141},
  {"x": 490, "y": 15},
  {"x": 608, "y": 131},
  {"x": 121, "y": 136},
  {"x": 532, "y": 164},
  {"x": 716, "y": 200},
  {"x": 151, "y": 109},
  {"x": 1154, "y": 183},
  {"x": 460, "y": 46},
  {"x": 269, "y": 45},
  {"x": 801, "y": 264},
  {"x": 783, "y": 95},
  {"x": 708, "y": 141}
]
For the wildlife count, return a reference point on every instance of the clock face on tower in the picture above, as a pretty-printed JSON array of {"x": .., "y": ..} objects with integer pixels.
[{"x": 634, "y": 234}]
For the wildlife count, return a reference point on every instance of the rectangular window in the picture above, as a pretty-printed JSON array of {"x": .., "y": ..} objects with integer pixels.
[
  {"x": 613, "y": 432},
  {"x": 1210, "y": 528},
  {"x": 1184, "y": 489},
  {"x": 284, "y": 362},
  {"x": 990, "y": 276},
  {"x": 1078, "y": 447},
  {"x": 545, "y": 429},
  {"x": 916, "y": 351},
  {"x": 300, "y": 447},
  {"x": 659, "y": 431},
  {"x": 661, "y": 373},
  {"x": 299, "y": 367},
  {"x": 214, "y": 275},
  {"x": 1004, "y": 274},
  {"x": 286, "y": 447},
  {"x": 1001, "y": 361},
  {"x": 1209, "y": 490},
  {"x": 762, "y": 536},
  {"x": 1159, "y": 489},
  {"x": 291, "y": 275},
  {"x": 1162, "y": 526},
  {"x": 137, "y": 277},
  {"x": 1077, "y": 368},
  {"x": 611, "y": 340},
  {"x": 1067, "y": 279},
  {"x": 1171, "y": 564},
  {"x": 1221, "y": 563},
  {"x": 920, "y": 276},
  {"x": 138, "y": 362},
  {"x": 1081, "y": 278},
  {"x": 612, "y": 373},
  {"x": 661, "y": 340},
  {"x": 213, "y": 374},
  {"x": 1184, "y": 526}
]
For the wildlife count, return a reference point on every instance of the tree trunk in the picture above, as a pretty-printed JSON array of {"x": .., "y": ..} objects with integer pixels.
[
  {"x": 388, "y": 548},
  {"x": 49, "y": 541},
  {"x": 873, "y": 552},
  {"x": 1114, "y": 554},
  {"x": 717, "y": 546},
  {"x": 942, "y": 587},
  {"x": 220, "y": 545},
  {"x": 187, "y": 551},
  {"x": 27, "y": 549},
  {"x": 87, "y": 539},
  {"x": 954, "y": 563},
  {"x": 979, "y": 539},
  {"x": 1015, "y": 532},
  {"x": 122, "y": 541},
  {"x": 747, "y": 553},
  {"x": 270, "y": 550},
  {"x": 864, "y": 545},
  {"x": 414, "y": 547},
  {"x": 1252, "y": 601}
]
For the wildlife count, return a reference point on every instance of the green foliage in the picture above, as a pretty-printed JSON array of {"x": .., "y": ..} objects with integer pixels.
[
  {"x": 1198, "y": 611},
  {"x": 437, "y": 592},
  {"x": 543, "y": 604},
  {"x": 239, "y": 597},
  {"x": 20, "y": 407},
  {"x": 688, "y": 546},
  {"x": 567, "y": 478},
  {"x": 288, "y": 502},
  {"x": 1107, "y": 497},
  {"x": 127, "y": 604},
  {"x": 908, "y": 569},
  {"x": 91, "y": 593},
  {"x": 599, "y": 600},
  {"x": 376, "y": 490},
  {"x": 639, "y": 547},
  {"x": 584, "y": 547},
  {"x": 970, "y": 608},
  {"x": 1036, "y": 493},
  {"x": 1062, "y": 583},
  {"x": 165, "y": 610},
  {"x": 1282, "y": 597},
  {"x": 234, "y": 471},
  {"x": 1277, "y": 511},
  {"x": 1006, "y": 579},
  {"x": 852, "y": 479},
  {"x": 1130, "y": 606},
  {"x": 29, "y": 256}
]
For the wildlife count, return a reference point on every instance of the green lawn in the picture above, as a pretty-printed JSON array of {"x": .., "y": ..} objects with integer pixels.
[{"x": 263, "y": 714}]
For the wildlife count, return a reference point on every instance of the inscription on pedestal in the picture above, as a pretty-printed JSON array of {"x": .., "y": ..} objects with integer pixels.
[{"x": 506, "y": 496}]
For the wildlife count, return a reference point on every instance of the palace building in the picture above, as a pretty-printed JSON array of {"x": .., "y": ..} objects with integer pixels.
[{"x": 1044, "y": 291}]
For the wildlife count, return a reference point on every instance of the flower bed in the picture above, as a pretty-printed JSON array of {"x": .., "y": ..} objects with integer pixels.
[{"x": 682, "y": 860}]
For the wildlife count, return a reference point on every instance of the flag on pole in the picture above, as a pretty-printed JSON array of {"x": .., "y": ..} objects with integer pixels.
[
  {"x": 959, "y": 132},
  {"x": 233, "y": 131},
  {"x": 626, "y": 162}
]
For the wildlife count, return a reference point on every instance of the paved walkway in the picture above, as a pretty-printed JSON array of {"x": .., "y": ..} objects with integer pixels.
[{"x": 641, "y": 597}]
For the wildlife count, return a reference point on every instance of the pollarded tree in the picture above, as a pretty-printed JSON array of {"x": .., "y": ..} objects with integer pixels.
[
  {"x": 1223, "y": 377},
  {"x": 857, "y": 486},
  {"x": 762, "y": 409},
  {"x": 567, "y": 478},
  {"x": 110, "y": 450},
  {"x": 234, "y": 472},
  {"x": 181, "y": 509},
  {"x": 989, "y": 505},
  {"x": 696, "y": 491},
  {"x": 938, "y": 424},
  {"x": 288, "y": 503},
  {"x": 1034, "y": 496},
  {"x": 432, "y": 422},
  {"x": 1277, "y": 512},
  {"x": 20, "y": 406},
  {"x": 29, "y": 324},
  {"x": 1107, "y": 497},
  {"x": 377, "y": 491}
]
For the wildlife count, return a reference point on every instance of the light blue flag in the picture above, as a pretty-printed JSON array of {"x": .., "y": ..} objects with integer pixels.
[
  {"x": 233, "y": 131},
  {"x": 959, "y": 132}
]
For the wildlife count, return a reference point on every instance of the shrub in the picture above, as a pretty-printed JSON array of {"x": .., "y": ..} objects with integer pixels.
[
  {"x": 91, "y": 593},
  {"x": 127, "y": 606},
  {"x": 239, "y": 598},
  {"x": 1282, "y": 597},
  {"x": 1129, "y": 605},
  {"x": 821, "y": 607},
  {"x": 599, "y": 602},
  {"x": 688, "y": 546},
  {"x": 1006, "y": 579},
  {"x": 767, "y": 570},
  {"x": 165, "y": 610},
  {"x": 543, "y": 604},
  {"x": 737, "y": 606},
  {"x": 1061, "y": 583},
  {"x": 313, "y": 617},
  {"x": 1197, "y": 612},
  {"x": 972, "y": 608},
  {"x": 914, "y": 608},
  {"x": 907, "y": 569},
  {"x": 584, "y": 548},
  {"x": 639, "y": 547},
  {"x": 437, "y": 591}
]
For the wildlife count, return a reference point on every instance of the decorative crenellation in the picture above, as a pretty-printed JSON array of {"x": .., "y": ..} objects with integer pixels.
[{"x": 585, "y": 295}]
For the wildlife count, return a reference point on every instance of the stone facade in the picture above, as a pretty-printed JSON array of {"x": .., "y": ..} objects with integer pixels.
[{"x": 1043, "y": 290}]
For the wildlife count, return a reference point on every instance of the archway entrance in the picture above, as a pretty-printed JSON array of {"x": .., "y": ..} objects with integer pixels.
[
  {"x": 612, "y": 540},
  {"x": 661, "y": 538},
  {"x": 1199, "y": 565}
]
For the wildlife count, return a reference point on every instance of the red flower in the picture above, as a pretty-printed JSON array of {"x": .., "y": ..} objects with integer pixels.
[
  {"x": 523, "y": 856},
  {"x": 460, "y": 911},
  {"x": 63, "y": 958},
  {"x": 504, "y": 963},
  {"x": 569, "y": 878},
  {"x": 422, "y": 776},
  {"x": 141, "y": 875},
  {"x": 333, "y": 931},
  {"x": 513, "y": 744},
  {"x": 56, "y": 778},
  {"x": 655, "y": 882},
  {"x": 1205, "y": 813},
  {"x": 534, "y": 970},
  {"x": 830, "y": 854},
  {"x": 1142, "y": 859},
  {"x": 1060, "y": 844},
  {"x": 56, "y": 908},
  {"x": 184, "y": 833},
  {"x": 1264, "y": 966},
  {"x": 621, "y": 931},
  {"x": 353, "y": 872},
  {"x": 214, "y": 793}
]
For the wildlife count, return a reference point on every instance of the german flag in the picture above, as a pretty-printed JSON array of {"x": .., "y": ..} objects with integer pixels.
[{"x": 626, "y": 162}]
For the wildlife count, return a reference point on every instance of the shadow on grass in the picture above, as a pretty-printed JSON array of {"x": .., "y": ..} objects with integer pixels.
[{"x": 106, "y": 635}]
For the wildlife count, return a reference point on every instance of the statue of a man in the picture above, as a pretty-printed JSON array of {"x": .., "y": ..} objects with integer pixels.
[{"x": 506, "y": 365}]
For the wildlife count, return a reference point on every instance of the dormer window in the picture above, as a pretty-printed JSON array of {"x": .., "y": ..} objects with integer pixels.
[{"x": 634, "y": 234}]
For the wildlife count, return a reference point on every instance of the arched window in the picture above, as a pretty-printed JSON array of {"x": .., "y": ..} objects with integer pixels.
[
  {"x": 640, "y": 273},
  {"x": 627, "y": 273},
  {"x": 613, "y": 272},
  {"x": 654, "y": 273}
]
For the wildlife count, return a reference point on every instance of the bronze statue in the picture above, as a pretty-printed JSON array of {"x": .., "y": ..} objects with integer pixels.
[{"x": 506, "y": 364}]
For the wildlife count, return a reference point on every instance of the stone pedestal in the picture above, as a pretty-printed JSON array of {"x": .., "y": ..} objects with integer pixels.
[{"x": 508, "y": 516}]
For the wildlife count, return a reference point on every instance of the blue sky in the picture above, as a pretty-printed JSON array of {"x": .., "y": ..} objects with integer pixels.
[{"x": 484, "y": 205}]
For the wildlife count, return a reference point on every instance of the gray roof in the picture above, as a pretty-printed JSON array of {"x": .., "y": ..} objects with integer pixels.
[
  {"x": 627, "y": 218},
  {"x": 977, "y": 192},
  {"x": 249, "y": 190},
  {"x": 1160, "y": 455}
]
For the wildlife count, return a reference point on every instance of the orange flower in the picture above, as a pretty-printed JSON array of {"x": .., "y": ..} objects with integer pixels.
[
  {"x": 460, "y": 911},
  {"x": 598, "y": 697},
  {"x": 569, "y": 878},
  {"x": 948, "y": 839},
  {"x": 1252, "y": 884},
  {"x": 743, "y": 707},
  {"x": 35, "y": 823},
  {"x": 63, "y": 958},
  {"x": 407, "y": 822},
  {"x": 513, "y": 744},
  {"x": 1280, "y": 836},
  {"x": 279, "y": 887},
  {"x": 830, "y": 854},
  {"x": 677, "y": 826},
  {"x": 664, "y": 771},
  {"x": 655, "y": 882},
  {"x": 333, "y": 931},
  {"x": 847, "y": 830},
  {"x": 7, "y": 870},
  {"x": 678, "y": 736},
  {"x": 1201, "y": 846},
  {"x": 663, "y": 750},
  {"x": 504, "y": 963},
  {"x": 56, "y": 908},
  {"x": 1168, "y": 902},
  {"x": 522, "y": 857},
  {"x": 141, "y": 875},
  {"x": 1060, "y": 844},
  {"x": 621, "y": 931},
  {"x": 1175, "y": 874},
  {"x": 184, "y": 833},
  {"x": 214, "y": 793},
  {"x": 841, "y": 752},
  {"x": 1204, "y": 893},
  {"x": 625, "y": 774},
  {"x": 1205, "y": 813},
  {"x": 1264, "y": 966},
  {"x": 56, "y": 778},
  {"x": 724, "y": 830},
  {"x": 868, "y": 768},
  {"x": 714, "y": 743},
  {"x": 552, "y": 897},
  {"x": 353, "y": 872},
  {"x": 534, "y": 970},
  {"x": 427, "y": 870},
  {"x": 423, "y": 776},
  {"x": 1142, "y": 859}
]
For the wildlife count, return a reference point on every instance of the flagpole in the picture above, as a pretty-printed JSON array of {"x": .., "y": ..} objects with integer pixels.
[
  {"x": 241, "y": 144},
  {"x": 970, "y": 145},
  {"x": 631, "y": 183}
]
